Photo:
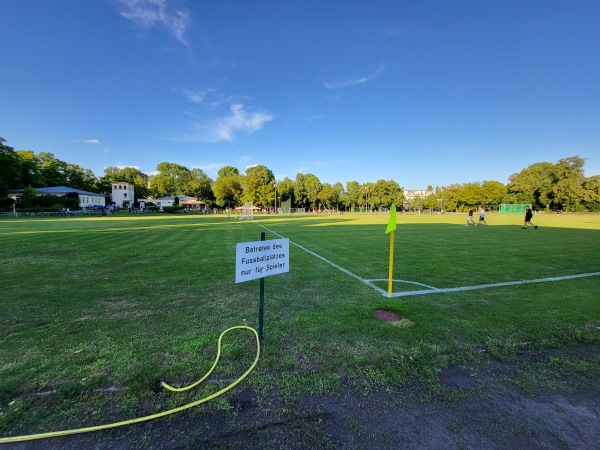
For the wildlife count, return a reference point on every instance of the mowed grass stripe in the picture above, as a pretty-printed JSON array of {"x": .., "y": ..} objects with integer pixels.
[{"x": 127, "y": 302}]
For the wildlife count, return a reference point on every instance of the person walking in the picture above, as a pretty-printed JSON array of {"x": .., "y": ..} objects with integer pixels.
[
  {"x": 482, "y": 217},
  {"x": 528, "y": 217},
  {"x": 470, "y": 218}
]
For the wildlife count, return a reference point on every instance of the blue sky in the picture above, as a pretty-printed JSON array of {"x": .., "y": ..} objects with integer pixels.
[{"x": 421, "y": 92}]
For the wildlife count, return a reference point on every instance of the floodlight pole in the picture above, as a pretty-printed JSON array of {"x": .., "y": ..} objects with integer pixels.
[{"x": 261, "y": 302}]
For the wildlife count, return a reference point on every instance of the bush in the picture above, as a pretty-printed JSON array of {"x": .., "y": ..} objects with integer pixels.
[
  {"x": 48, "y": 201},
  {"x": 172, "y": 209},
  {"x": 29, "y": 197},
  {"x": 55, "y": 208}
]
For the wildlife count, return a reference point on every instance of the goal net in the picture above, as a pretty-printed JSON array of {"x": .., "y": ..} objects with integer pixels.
[
  {"x": 506, "y": 208},
  {"x": 247, "y": 211},
  {"x": 286, "y": 207}
]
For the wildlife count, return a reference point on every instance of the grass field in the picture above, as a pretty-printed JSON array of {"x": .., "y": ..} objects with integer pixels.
[{"x": 96, "y": 311}]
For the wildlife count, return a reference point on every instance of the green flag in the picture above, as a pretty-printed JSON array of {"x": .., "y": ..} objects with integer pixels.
[{"x": 392, "y": 223}]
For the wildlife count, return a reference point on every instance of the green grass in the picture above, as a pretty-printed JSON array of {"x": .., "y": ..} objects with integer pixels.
[{"x": 125, "y": 301}]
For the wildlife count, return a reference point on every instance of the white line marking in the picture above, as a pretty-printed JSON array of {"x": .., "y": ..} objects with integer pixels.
[
  {"x": 404, "y": 281},
  {"x": 433, "y": 290},
  {"x": 347, "y": 272},
  {"x": 486, "y": 286}
]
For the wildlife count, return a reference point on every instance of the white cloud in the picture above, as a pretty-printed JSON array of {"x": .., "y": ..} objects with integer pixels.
[
  {"x": 197, "y": 96},
  {"x": 239, "y": 120},
  {"x": 124, "y": 167},
  {"x": 353, "y": 81},
  {"x": 207, "y": 97},
  {"x": 92, "y": 141},
  {"x": 314, "y": 118},
  {"x": 150, "y": 13}
]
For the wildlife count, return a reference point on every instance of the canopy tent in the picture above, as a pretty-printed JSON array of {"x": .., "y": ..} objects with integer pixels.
[{"x": 191, "y": 202}]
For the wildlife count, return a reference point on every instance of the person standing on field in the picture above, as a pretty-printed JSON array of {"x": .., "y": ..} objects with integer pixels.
[{"x": 528, "y": 217}]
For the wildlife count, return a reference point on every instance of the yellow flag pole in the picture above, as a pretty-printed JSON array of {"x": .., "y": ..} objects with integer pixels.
[
  {"x": 391, "y": 272},
  {"x": 390, "y": 230}
]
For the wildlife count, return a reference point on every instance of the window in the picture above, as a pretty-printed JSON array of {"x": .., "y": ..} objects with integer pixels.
[{"x": 125, "y": 195}]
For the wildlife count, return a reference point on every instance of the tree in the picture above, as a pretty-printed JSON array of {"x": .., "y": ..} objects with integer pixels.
[
  {"x": 300, "y": 190},
  {"x": 327, "y": 195},
  {"x": 385, "y": 193},
  {"x": 532, "y": 185},
  {"x": 131, "y": 175},
  {"x": 171, "y": 179},
  {"x": 285, "y": 189},
  {"x": 339, "y": 194},
  {"x": 29, "y": 197},
  {"x": 312, "y": 185},
  {"x": 470, "y": 195},
  {"x": 10, "y": 168},
  {"x": 543, "y": 184},
  {"x": 365, "y": 195},
  {"x": 52, "y": 170},
  {"x": 80, "y": 178},
  {"x": 591, "y": 187},
  {"x": 227, "y": 190},
  {"x": 568, "y": 182},
  {"x": 228, "y": 171},
  {"x": 257, "y": 186},
  {"x": 451, "y": 197},
  {"x": 492, "y": 193},
  {"x": 199, "y": 186},
  {"x": 352, "y": 194}
]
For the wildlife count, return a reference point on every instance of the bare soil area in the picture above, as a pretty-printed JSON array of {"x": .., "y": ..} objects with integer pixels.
[{"x": 491, "y": 405}]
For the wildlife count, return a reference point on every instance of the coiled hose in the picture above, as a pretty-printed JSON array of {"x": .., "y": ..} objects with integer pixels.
[{"x": 157, "y": 415}]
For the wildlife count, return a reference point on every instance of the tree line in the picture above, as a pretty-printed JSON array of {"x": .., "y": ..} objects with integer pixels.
[{"x": 550, "y": 186}]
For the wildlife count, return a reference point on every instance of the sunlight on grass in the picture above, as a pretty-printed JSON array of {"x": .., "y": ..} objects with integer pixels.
[{"x": 127, "y": 301}]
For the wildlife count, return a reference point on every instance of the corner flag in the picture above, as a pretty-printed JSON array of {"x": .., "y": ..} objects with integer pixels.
[
  {"x": 392, "y": 223},
  {"x": 390, "y": 229}
]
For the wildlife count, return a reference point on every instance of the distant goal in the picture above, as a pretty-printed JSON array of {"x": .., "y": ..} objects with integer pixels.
[
  {"x": 247, "y": 211},
  {"x": 506, "y": 208}
]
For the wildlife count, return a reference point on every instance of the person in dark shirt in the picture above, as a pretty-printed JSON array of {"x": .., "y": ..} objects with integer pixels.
[{"x": 528, "y": 217}]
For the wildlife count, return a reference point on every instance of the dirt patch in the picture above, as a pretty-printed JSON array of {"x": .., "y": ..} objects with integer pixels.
[
  {"x": 458, "y": 378},
  {"x": 471, "y": 407},
  {"x": 392, "y": 318}
]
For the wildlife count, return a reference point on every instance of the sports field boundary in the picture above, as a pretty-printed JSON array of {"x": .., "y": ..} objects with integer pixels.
[{"x": 430, "y": 289}]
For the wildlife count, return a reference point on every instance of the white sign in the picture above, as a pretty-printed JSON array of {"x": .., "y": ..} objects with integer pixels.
[{"x": 261, "y": 259}]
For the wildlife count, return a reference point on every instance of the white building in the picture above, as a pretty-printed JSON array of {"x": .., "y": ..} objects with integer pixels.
[
  {"x": 411, "y": 196},
  {"x": 416, "y": 193},
  {"x": 123, "y": 194},
  {"x": 86, "y": 199},
  {"x": 170, "y": 201}
]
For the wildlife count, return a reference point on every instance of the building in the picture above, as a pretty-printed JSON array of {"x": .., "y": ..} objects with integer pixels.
[
  {"x": 123, "y": 194},
  {"x": 411, "y": 197},
  {"x": 418, "y": 193},
  {"x": 184, "y": 200},
  {"x": 86, "y": 199}
]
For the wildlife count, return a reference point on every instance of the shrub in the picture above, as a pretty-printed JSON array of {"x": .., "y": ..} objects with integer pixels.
[{"x": 172, "y": 209}]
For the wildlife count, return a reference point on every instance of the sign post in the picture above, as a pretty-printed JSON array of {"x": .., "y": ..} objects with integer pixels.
[
  {"x": 259, "y": 260},
  {"x": 261, "y": 301}
]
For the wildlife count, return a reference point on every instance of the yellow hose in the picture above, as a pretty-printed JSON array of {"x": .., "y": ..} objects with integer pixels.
[{"x": 153, "y": 416}]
